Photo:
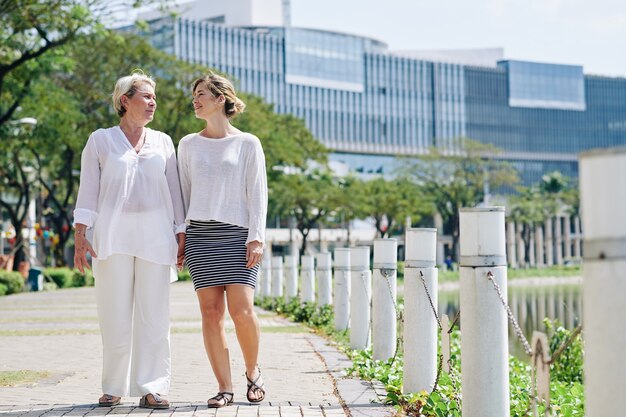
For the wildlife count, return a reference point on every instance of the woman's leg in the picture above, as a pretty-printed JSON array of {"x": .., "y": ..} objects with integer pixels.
[
  {"x": 241, "y": 309},
  {"x": 114, "y": 298},
  {"x": 213, "y": 309},
  {"x": 150, "y": 370}
]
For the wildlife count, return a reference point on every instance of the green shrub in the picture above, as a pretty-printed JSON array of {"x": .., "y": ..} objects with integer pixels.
[
  {"x": 13, "y": 281},
  {"x": 184, "y": 275},
  {"x": 62, "y": 277},
  {"x": 3, "y": 289},
  {"x": 82, "y": 280}
]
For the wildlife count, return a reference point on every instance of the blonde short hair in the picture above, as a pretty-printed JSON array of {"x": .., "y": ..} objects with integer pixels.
[
  {"x": 221, "y": 86},
  {"x": 127, "y": 86}
]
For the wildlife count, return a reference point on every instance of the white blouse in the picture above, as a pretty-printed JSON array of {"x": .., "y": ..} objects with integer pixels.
[
  {"x": 131, "y": 200},
  {"x": 225, "y": 180}
]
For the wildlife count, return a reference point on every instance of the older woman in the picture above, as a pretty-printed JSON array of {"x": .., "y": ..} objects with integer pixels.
[
  {"x": 129, "y": 216},
  {"x": 224, "y": 184}
]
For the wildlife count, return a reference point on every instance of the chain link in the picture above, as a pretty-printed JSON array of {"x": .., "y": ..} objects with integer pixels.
[
  {"x": 430, "y": 300},
  {"x": 516, "y": 326}
]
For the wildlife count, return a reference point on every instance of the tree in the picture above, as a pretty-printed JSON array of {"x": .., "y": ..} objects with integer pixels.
[
  {"x": 390, "y": 202},
  {"x": 458, "y": 181},
  {"x": 308, "y": 197},
  {"x": 532, "y": 206}
]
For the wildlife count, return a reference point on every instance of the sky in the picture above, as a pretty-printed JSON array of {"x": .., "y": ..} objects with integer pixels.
[{"x": 591, "y": 33}]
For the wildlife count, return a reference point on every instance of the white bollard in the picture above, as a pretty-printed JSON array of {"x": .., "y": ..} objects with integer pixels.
[
  {"x": 277, "y": 276},
  {"x": 307, "y": 272},
  {"x": 603, "y": 204},
  {"x": 420, "y": 324},
  {"x": 266, "y": 274},
  {"x": 342, "y": 289},
  {"x": 324, "y": 275},
  {"x": 384, "y": 316},
  {"x": 291, "y": 277},
  {"x": 484, "y": 337},
  {"x": 360, "y": 296}
]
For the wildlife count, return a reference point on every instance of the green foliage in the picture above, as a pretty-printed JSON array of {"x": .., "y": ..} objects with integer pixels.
[
  {"x": 308, "y": 313},
  {"x": 3, "y": 289},
  {"x": 308, "y": 197},
  {"x": 13, "y": 281},
  {"x": 457, "y": 181},
  {"x": 568, "y": 367},
  {"x": 184, "y": 275},
  {"x": 390, "y": 202},
  {"x": 62, "y": 277},
  {"x": 69, "y": 278}
]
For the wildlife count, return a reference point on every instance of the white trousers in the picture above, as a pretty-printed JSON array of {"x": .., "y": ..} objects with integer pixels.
[{"x": 133, "y": 298}]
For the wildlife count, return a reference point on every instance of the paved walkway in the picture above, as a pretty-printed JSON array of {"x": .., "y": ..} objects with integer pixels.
[{"x": 57, "y": 332}]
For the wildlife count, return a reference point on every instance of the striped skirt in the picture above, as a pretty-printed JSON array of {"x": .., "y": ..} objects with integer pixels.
[{"x": 215, "y": 254}]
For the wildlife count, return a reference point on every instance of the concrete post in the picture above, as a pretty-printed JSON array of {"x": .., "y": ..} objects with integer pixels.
[
  {"x": 558, "y": 238},
  {"x": 360, "y": 297},
  {"x": 519, "y": 243},
  {"x": 420, "y": 324},
  {"x": 484, "y": 338},
  {"x": 603, "y": 204},
  {"x": 324, "y": 276},
  {"x": 578, "y": 238},
  {"x": 567, "y": 237},
  {"x": 342, "y": 289},
  {"x": 277, "y": 276},
  {"x": 266, "y": 274},
  {"x": 539, "y": 246},
  {"x": 549, "y": 243},
  {"x": 291, "y": 277},
  {"x": 531, "y": 248},
  {"x": 439, "y": 227},
  {"x": 511, "y": 255},
  {"x": 307, "y": 272},
  {"x": 384, "y": 315}
]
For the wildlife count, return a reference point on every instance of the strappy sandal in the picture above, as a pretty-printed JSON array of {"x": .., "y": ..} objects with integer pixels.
[
  {"x": 255, "y": 388},
  {"x": 108, "y": 400},
  {"x": 222, "y": 399},
  {"x": 158, "y": 403}
]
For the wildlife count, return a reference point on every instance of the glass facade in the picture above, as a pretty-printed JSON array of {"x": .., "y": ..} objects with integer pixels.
[{"x": 368, "y": 105}]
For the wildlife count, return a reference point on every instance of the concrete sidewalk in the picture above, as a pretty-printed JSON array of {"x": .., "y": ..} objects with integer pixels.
[{"x": 57, "y": 332}]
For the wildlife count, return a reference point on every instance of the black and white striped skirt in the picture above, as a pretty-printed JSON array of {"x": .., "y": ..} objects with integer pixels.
[{"x": 215, "y": 254}]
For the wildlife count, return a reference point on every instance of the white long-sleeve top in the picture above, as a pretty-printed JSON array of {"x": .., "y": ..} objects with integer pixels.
[
  {"x": 131, "y": 200},
  {"x": 225, "y": 180}
]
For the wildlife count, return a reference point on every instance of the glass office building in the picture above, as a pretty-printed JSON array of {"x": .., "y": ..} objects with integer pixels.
[{"x": 368, "y": 105}]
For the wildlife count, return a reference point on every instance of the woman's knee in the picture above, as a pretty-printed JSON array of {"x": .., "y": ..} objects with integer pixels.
[
  {"x": 243, "y": 316},
  {"x": 212, "y": 314}
]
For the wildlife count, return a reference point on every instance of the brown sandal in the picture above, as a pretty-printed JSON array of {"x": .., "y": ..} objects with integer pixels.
[
  {"x": 222, "y": 399},
  {"x": 158, "y": 403},
  {"x": 108, "y": 400},
  {"x": 255, "y": 387}
]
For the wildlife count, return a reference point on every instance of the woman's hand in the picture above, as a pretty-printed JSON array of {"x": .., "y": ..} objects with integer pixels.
[
  {"x": 81, "y": 247},
  {"x": 254, "y": 253},
  {"x": 180, "y": 256}
]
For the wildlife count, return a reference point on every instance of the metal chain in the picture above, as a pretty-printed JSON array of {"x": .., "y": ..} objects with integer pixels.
[
  {"x": 430, "y": 300},
  {"x": 456, "y": 319},
  {"x": 516, "y": 326}
]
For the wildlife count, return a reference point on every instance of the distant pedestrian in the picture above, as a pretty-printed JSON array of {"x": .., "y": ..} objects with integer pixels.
[
  {"x": 449, "y": 263},
  {"x": 129, "y": 197},
  {"x": 224, "y": 184}
]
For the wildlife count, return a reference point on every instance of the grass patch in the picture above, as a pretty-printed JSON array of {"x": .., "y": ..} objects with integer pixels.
[{"x": 15, "y": 378}]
